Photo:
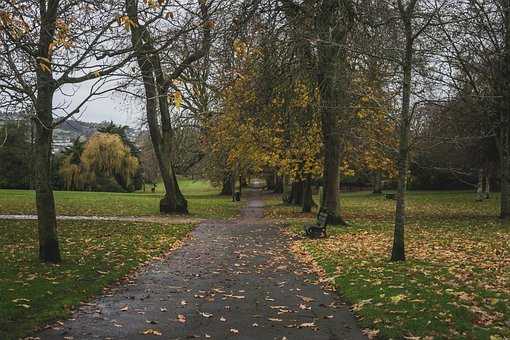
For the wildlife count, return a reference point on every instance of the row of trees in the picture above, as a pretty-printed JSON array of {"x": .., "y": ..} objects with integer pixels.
[
  {"x": 315, "y": 88},
  {"x": 50, "y": 46},
  {"x": 300, "y": 88}
]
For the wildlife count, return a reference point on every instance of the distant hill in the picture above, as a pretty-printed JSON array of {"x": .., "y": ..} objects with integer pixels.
[
  {"x": 71, "y": 129},
  {"x": 78, "y": 128}
]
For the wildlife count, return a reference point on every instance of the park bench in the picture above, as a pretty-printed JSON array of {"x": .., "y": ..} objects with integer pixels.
[
  {"x": 319, "y": 229},
  {"x": 390, "y": 196}
]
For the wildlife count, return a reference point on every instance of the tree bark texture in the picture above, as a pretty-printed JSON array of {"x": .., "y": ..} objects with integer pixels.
[
  {"x": 307, "y": 195},
  {"x": 503, "y": 135},
  {"x": 377, "y": 183},
  {"x": 398, "y": 250},
  {"x": 226, "y": 187},
  {"x": 46, "y": 215},
  {"x": 157, "y": 102},
  {"x": 333, "y": 24}
]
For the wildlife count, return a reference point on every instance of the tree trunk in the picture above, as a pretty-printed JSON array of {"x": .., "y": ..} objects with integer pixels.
[
  {"x": 156, "y": 102},
  {"x": 332, "y": 179},
  {"x": 287, "y": 191},
  {"x": 233, "y": 184},
  {"x": 226, "y": 188},
  {"x": 298, "y": 200},
  {"x": 292, "y": 193},
  {"x": 377, "y": 183},
  {"x": 307, "y": 195},
  {"x": 503, "y": 88},
  {"x": 270, "y": 182},
  {"x": 398, "y": 251},
  {"x": 479, "y": 186},
  {"x": 46, "y": 215},
  {"x": 333, "y": 78},
  {"x": 243, "y": 182},
  {"x": 181, "y": 201},
  {"x": 278, "y": 189},
  {"x": 297, "y": 193},
  {"x": 487, "y": 188},
  {"x": 505, "y": 186}
]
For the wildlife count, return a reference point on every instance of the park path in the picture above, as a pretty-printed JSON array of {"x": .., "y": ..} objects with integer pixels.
[
  {"x": 232, "y": 280},
  {"x": 150, "y": 219}
]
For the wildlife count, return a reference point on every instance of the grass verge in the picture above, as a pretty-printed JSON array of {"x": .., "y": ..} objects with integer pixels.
[
  {"x": 455, "y": 283},
  {"x": 203, "y": 202},
  {"x": 96, "y": 254}
]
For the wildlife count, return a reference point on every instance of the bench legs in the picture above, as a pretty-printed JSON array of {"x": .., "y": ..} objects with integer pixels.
[{"x": 315, "y": 232}]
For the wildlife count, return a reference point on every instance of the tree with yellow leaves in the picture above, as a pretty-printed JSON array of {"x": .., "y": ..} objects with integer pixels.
[{"x": 104, "y": 156}]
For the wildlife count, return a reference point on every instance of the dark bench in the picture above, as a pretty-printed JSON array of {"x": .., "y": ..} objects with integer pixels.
[
  {"x": 319, "y": 229},
  {"x": 390, "y": 196}
]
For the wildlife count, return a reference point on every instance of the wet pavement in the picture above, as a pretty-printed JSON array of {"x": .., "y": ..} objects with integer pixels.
[
  {"x": 232, "y": 280},
  {"x": 151, "y": 219}
]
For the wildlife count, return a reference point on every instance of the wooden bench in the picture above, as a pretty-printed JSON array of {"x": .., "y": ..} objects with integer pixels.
[
  {"x": 319, "y": 229},
  {"x": 390, "y": 196}
]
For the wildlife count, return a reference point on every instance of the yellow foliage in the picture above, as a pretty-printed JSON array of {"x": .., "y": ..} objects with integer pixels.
[
  {"x": 126, "y": 22},
  {"x": 280, "y": 128},
  {"x": 104, "y": 154}
]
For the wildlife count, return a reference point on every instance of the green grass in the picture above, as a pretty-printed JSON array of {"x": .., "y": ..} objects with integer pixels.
[
  {"x": 455, "y": 283},
  {"x": 203, "y": 202},
  {"x": 95, "y": 255}
]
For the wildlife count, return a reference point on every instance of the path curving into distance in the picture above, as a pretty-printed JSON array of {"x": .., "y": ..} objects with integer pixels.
[{"x": 232, "y": 280}]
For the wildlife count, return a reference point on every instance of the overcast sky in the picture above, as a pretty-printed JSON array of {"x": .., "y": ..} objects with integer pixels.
[{"x": 108, "y": 107}]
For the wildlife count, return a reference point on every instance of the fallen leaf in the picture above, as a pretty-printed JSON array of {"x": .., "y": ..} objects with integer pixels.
[
  {"x": 151, "y": 331},
  {"x": 307, "y": 324},
  {"x": 305, "y": 299},
  {"x": 371, "y": 333},
  {"x": 397, "y": 298}
]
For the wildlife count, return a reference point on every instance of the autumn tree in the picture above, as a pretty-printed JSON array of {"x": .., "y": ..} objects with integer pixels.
[
  {"x": 157, "y": 83},
  {"x": 48, "y": 46},
  {"x": 415, "y": 18},
  {"x": 103, "y": 156},
  {"x": 329, "y": 23}
]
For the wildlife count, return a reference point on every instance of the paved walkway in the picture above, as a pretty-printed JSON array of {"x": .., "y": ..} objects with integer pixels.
[
  {"x": 232, "y": 280},
  {"x": 154, "y": 219}
]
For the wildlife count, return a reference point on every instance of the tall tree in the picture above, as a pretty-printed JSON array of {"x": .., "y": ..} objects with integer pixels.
[
  {"x": 157, "y": 84},
  {"x": 476, "y": 45},
  {"x": 406, "y": 12},
  {"x": 415, "y": 18},
  {"x": 46, "y": 46}
]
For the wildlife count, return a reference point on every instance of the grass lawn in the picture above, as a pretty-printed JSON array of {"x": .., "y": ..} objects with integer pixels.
[
  {"x": 455, "y": 284},
  {"x": 203, "y": 202},
  {"x": 95, "y": 255}
]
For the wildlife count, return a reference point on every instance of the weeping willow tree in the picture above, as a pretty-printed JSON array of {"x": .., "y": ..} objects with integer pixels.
[{"x": 104, "y": 155}]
